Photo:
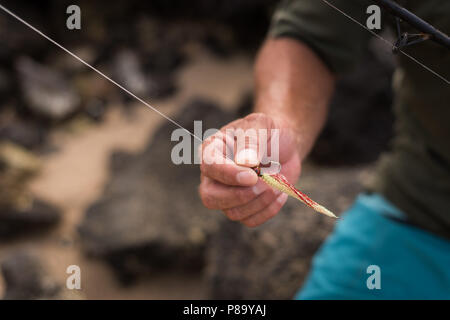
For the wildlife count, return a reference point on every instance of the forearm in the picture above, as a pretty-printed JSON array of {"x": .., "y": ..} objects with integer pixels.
[{"x": 294, "y": 86}]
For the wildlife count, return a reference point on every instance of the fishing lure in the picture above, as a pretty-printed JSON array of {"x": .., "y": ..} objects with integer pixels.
[{"x": 279, "y": 182}]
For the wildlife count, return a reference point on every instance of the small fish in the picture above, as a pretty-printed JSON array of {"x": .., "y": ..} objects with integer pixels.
[{"x": 279, "y": 182}]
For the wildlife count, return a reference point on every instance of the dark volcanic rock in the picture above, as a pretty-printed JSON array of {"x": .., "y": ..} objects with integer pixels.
[
  {"x": 46, "y": 92},
  {"x": 209, "y": 8},
  {"x": 248, "y": 19},
  {"x": 37, "y": 217},
  {"x": 4, "y": 82},
  {"x": 16, "y": 39},
  {"x": 129, "y": 71},
  {"x": 17, "y": 166},
  {"x": 165, "y": 59},
  {"x": 162, "y": 86},
  {"x": 95, "y": 109},
  {"x": 28, "y": 134},
  {"x": 26, "y": 278},
  {"x": 272, "y": 261},
  {"x": 150, "y": 215}
]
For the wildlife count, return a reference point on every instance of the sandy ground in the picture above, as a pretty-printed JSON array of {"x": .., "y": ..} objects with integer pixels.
[{"x": 73, "y": 178}]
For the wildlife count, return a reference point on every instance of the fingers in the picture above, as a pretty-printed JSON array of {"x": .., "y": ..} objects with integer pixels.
[
  {"x": 229, "y": 183},
  {"x": 246, "y": 142},
  {"x": 250, "y": 205},
  {"x": 246, "y": 147},
  {"x": 216, "y": 165},
  {"x": 267, "y": 213},
  {"x": 230, "y": 174},
  {"x": 247, "y": 156},
  {"x": 253, "y": 207},
  {"x": 216, "y": 195},
  {"x": 251, "y": 136}
]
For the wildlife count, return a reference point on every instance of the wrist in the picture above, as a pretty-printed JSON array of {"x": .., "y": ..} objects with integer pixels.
[{"x": 290, "y": 133}]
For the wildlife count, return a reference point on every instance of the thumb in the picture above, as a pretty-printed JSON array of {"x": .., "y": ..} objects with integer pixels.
[{"x": 247, "y": 148}]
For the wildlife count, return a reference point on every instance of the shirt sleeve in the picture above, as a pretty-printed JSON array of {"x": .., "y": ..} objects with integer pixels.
[{"x": 339, "y": 41}]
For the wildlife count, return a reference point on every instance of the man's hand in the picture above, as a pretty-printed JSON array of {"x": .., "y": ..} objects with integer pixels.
[
  {"x": 231, "y": 185},
  {"x": 292, "y": 90}
]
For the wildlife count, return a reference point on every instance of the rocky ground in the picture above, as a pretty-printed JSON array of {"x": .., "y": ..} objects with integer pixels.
[
  {"x": 85, "y": 174},
  {"x": 74, "y": 178}
]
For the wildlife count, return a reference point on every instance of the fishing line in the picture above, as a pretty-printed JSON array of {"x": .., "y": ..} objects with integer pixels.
[
  {"x": 98, "y": 71},
  {"x": 386, "y": 41},
  {"x": 156, "y": 110}
]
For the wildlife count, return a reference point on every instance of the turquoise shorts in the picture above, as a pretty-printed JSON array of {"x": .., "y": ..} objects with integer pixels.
[{"x": 372, "y": 254}]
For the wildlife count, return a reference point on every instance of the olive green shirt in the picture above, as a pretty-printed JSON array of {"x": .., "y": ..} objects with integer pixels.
[{"x": 415, "y": 175}]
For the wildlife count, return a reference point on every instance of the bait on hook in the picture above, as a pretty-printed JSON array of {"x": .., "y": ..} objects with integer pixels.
[{"x": 277, "y": 181}]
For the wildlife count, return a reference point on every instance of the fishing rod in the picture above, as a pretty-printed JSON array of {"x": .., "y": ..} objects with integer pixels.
[
  {"x": 404, "y": 39},
  {"x": 428, "y": 32}
]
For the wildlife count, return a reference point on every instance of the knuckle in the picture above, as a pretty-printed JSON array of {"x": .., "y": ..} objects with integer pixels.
[
  {"x": 223, "y": 176},
  {"x": 251, "y": 223},
  {"x": 273, "y": 210},
  {"x": 207, "y": 200},
  {"x": 233, "y": 214},
  {"x": 255, "y": 116},
  {"x": 204, "y": 169},
  {"x": 268, "y": 198},
  {"x": 203, "y": 188},
  {"x": 243, "y": 195},
  {"x": 222, "y": 203}
]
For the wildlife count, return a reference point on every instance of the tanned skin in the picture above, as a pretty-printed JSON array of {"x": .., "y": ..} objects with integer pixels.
[{"x": 293, "y": 88}]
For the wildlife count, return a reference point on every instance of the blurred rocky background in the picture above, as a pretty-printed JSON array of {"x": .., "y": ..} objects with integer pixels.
[{"x": 85, "y": 171}]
